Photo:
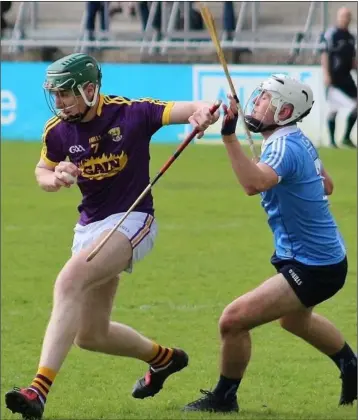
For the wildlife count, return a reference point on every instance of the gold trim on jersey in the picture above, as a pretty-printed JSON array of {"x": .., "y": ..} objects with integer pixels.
[
  {"x": 51, "y": 123},
  {"x": 46, "y": 159},
  {"x": 120, "y": 100},
  {"x": 166, "y": 113},
  {"x": 100, "y": 105},
  {"x": 152, "y": 101}
]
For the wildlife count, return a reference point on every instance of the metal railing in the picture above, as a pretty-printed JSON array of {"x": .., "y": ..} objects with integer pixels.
[
  {"x": 161, "y": 44},
  {"x": 151, "y": 39}
]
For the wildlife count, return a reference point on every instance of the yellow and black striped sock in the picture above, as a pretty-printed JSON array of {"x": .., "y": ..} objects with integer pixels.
[
  {"x": 42, "y": 382},
  {"x": 160, "y": 356}
]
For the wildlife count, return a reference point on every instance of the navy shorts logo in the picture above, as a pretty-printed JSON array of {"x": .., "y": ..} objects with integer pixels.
[{"x": 295, "y": 277}]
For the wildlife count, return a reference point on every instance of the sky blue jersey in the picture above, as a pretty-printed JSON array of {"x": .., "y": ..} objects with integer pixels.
[{"x": 297, "y": 207}]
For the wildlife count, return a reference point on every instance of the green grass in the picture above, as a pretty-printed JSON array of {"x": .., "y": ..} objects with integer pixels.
[{"x": 213, "y": 245}]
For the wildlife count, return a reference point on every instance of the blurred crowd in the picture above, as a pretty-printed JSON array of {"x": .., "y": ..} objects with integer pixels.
[
  {"x": 5, "y": 7},
  {"x": 108, "y": 10}
]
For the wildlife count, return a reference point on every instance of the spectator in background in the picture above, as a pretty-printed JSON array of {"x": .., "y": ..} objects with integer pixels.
[
  {"x": 94, "y": 7},
  {"x": 195, "y": 19},
  {"x": 229, "y": 18},
  {"x": 229, "y": 25},
  {"x": 119, "y": 9},
  {"x": 144, "y": 15},
  {"x": 338, "y": 59},
  {"x": 5, "y": 7}
]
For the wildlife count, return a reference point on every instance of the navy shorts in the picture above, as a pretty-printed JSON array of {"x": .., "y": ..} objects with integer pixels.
[{"x": 312, "y": 284}]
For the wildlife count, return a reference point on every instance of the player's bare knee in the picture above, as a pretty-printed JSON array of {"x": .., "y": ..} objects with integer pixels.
[
  {"x": 72, "y": 281},
  {"x": 66, "y": 286},
  {"x": 234, "y": 319},
  {"x": 77, "y": 277}
]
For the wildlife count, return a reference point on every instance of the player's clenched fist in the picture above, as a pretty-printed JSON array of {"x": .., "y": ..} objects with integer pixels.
[
  {"x": 66, "y": 174},
  {"x": 202, "y": 118}
]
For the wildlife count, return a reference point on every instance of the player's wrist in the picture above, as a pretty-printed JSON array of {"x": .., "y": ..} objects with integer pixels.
[
  {"x": 229, "y": 126},
  {"x": 229, "y": 139}
]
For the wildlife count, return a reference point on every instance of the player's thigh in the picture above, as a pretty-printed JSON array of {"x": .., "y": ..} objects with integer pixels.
[
  {"x": 268, "y": 302},
  {"x": 113, "y": 258},
  {"x": 96, "y": 308},
  {"x": 132, "y": 241},
  {"x": 297, "y": 320}
]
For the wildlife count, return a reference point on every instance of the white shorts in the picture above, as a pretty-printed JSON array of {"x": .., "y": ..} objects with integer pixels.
[
  {"x": 337, "y": 99},
  {"x": 139, "y": 228}
]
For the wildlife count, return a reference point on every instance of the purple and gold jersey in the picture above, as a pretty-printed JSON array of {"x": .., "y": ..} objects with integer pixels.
[{"x": 112, "y": 150}]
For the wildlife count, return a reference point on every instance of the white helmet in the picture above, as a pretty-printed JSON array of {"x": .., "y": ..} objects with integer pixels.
[{"x": 283, "y": 90}]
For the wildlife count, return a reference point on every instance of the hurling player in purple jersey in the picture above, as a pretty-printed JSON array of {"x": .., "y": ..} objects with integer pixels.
[{"x": 103, "y": 141}]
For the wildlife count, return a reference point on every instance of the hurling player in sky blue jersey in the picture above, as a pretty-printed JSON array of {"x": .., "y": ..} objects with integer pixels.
[
  {"x": 309, "y": 257},
  {"x": 103, "y": 140}
]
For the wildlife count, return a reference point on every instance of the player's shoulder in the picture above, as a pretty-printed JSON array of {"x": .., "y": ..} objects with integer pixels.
[
  {"x": 301, "y": 145},
  {"x": 122, "y": 100},
  {"x": 115, "y": 100},
  {"x": 298, "y": 140},
  {"x": 284, "y": 137},
  {"x": 132, "y": 104},
  {"x": 51, "y": 126},
  {"x": 149, "y": 104},
  {"x": 152, "y": 101},
  {"x": 331, "y": 32},
  {"x": 284, "y": 145}
]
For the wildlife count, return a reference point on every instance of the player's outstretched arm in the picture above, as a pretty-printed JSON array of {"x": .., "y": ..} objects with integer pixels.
[
  {"x": 195, "y": 112},
  {"x": 183, "y": 110}
]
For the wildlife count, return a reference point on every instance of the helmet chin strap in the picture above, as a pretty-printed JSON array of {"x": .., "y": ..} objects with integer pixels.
[
  {"x": 256, "y": 126},
  {"x": 89, "y": 104},
  {"x": 78, "y": 117}
]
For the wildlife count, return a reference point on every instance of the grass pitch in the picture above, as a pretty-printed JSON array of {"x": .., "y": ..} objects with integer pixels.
[{"x": 213, "y": 245}]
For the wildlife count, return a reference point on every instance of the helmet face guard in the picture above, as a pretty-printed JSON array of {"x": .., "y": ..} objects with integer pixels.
[
  {"x": 279, "y": 91},
  {"x": 66, "y": 81},
  {"x": 68, "y": 100},
  {"x": 255, "y": 118}
]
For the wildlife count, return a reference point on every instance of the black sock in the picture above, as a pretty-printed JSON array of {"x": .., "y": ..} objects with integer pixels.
[
  {"x": 345, "y": 360},
  {"x": 226, "y": 388},
  {"x": 332, "y": 129},
  {"x": 352, "y": 118}
]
